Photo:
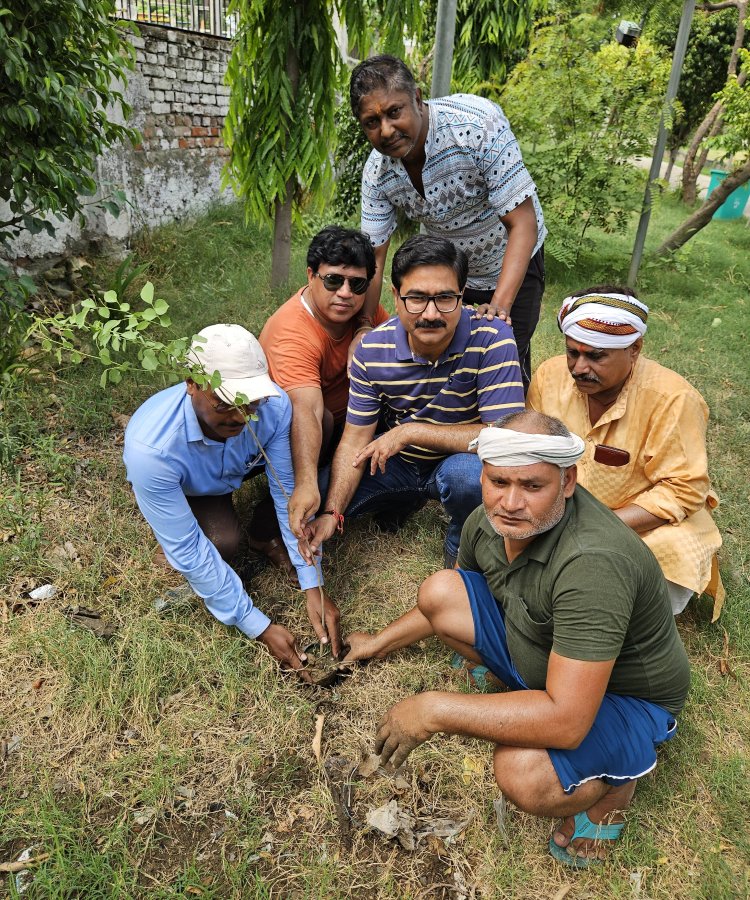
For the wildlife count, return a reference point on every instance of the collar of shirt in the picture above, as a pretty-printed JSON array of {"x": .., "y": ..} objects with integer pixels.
[
  {"x": 618, "y": 408},
  {"x": 457, "y": 345},
  {"x": 193, "y": 430}
]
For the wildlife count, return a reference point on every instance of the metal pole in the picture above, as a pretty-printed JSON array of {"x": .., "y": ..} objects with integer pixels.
[
  {"x": 218, "y": 18},
  {"x": 661, "y": 139},
  {"x": 442, "y": 61}
]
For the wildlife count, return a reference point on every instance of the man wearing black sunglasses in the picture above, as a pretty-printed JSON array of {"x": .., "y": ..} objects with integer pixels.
[
  {"x": 306, "y": 343},
  {"x": 432, "y": 375}
]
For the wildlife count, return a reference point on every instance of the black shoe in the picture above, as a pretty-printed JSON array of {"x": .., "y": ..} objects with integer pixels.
[{"x": 392, "y": 520}]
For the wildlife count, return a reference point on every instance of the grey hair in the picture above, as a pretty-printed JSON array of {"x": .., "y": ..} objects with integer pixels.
[{"x": 388, "y": 73}]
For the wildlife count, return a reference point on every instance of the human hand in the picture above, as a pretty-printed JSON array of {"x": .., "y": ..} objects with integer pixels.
[
  {"x": 361, "y": 646},
  {"x": 402, "y": 729},
  {"x": 490, "y": 310},
  {"x": 303, "y": 504},
  {"x": 332, "y": 629},
  {"x": 382, "y": 448},
  {"x": 314, "y": 534},
  {"x": 283, "y": 647}
]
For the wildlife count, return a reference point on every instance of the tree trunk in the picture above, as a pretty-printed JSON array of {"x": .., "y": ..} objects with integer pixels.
[
  {"x": 711, "y": 125},
  {"x": 690, "y": 169},
  {"x": 670, "y": 164},
  {"x": 282, "y": 239},
  {"x": 282, "y": 228},
  {"x": 701, "y": 217}
]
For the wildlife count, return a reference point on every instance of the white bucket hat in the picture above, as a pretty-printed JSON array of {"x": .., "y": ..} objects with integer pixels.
[{"x": 237, "y": 356}]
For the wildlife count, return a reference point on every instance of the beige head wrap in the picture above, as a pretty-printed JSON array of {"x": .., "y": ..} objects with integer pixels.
[{"x": 504, "y": 447}]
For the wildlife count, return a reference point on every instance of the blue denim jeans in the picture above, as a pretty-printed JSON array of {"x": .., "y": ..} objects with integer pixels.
[{"x": 454, "y": 481}]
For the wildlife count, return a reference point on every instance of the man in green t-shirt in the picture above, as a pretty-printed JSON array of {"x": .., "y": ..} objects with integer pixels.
[{"x": 569, "y": 609}]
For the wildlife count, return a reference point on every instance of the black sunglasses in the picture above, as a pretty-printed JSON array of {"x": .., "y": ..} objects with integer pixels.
[{"x": 332, "y": 281}]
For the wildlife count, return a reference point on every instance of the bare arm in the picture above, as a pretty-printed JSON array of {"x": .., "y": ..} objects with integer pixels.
[
  {"x": 306, "y": 437},
  {"x": 522, "y": 234},
  {"x": 637, "y": 518},
  {"x": 372, "y": 298},
  {"x": 345, "y": 478},
  {"x": 559, "y": 716},
  {"x": 441, "y": 438},
  {"x": 413, "y": 626}
]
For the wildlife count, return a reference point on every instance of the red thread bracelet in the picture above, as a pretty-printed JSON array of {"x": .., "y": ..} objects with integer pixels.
[{"x": 338, "y": 517}]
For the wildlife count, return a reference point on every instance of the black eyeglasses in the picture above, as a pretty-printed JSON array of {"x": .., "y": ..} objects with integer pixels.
[
  {"x": 332, "y": 281},
  {"x": 444, "y": 303}
]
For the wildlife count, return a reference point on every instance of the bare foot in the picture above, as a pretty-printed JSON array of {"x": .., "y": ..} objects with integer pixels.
[
  {"x": 160, "y": 560},
  {"x": 607, "y": 811}
]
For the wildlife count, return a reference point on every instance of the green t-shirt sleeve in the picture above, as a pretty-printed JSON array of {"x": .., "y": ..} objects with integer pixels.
[
  {"x": 469, "y": 535},
  {"x": 592, "y": 603}
]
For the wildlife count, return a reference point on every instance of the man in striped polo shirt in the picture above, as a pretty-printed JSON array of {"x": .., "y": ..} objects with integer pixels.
[{"x": 431, "y": 377}]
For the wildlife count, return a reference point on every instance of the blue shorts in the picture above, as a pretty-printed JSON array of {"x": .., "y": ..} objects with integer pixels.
[{"x": 621, "y": 745}]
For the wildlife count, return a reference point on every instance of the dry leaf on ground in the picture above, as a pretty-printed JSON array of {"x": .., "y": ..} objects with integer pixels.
[
  {"x": 393, "y": 821},
  {"x": 90, "y": 620},
  {"x": 318, "y": 739}
]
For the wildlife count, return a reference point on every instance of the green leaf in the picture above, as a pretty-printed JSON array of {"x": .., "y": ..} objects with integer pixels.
[
  {"x": 103, "y": 379},
  {"x": 147, "y": 293},
  {"x": 115, "y": 376},
  {"x": 149, "y": 361},
  {"x": 161, "y": 307}
]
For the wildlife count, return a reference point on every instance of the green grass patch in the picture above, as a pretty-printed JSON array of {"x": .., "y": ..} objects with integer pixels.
[{"x": 173, "y": 760}]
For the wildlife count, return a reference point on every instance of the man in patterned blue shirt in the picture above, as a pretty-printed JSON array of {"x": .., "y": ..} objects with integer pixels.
[
  {"x": 431, "y": 375},
  {"x": 454, "y": 165}
]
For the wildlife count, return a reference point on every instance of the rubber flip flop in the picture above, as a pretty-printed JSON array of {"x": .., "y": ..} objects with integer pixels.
[{"x": 585, "y": 828}]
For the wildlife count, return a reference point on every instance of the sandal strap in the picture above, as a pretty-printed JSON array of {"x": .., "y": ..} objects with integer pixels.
[{"x": 601, "y": 831}]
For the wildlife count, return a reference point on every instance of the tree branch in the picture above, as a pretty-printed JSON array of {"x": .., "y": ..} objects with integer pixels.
[
  {"x": 716, "y": 7},
  {"x": 702, "y": 216}
]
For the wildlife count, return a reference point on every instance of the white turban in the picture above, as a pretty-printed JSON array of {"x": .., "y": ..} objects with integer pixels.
[
  {"x": 504, "y": 447},
  {"x": 605, "y": 321}
]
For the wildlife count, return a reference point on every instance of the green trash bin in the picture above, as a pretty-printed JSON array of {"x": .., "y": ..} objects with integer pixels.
[{"x": 734, "y": 206}]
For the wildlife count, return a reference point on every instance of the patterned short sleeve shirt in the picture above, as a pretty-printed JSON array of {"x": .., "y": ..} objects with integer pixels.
[{"x": 473, "y": 174}]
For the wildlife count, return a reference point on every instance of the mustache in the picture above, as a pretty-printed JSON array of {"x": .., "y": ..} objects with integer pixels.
[
  {"x": 430, "y": 323},
  {"x": 590, "y": 379}
]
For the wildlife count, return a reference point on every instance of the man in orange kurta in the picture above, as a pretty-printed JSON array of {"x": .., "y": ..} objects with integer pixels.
[{"x": 645, "y": 433}]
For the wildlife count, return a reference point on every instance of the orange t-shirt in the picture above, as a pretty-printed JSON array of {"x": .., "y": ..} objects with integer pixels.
[{"x": 301, "y": 353}]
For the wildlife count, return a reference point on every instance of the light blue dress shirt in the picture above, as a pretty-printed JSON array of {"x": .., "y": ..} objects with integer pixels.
[{"x": 168, "y": 458}]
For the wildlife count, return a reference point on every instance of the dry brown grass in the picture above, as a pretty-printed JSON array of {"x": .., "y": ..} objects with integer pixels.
[{"x": 175, "y": 761}]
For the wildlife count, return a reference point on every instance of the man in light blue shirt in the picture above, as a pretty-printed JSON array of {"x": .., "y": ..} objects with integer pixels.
[{"x": 188, "y": 448}]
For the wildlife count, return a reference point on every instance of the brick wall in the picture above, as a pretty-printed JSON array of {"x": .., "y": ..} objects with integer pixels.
[
  {"x": 179, "y": 100},
  {"x": 187, "y": 97}
]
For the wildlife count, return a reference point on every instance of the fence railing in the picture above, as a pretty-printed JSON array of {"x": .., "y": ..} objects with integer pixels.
[{"x": 206, "y": 16}]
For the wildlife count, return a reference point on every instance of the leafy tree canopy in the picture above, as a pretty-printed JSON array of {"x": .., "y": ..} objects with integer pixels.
[
  {"x": 582, "y": 110},
  {"x": 63, "y": 66},
  {"x": 286, "y": 74},
  {"x": 491, "y": 37},
  {"x": 704, "y": 71}
]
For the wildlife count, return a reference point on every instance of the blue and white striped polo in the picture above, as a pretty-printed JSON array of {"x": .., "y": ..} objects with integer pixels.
[{"x": 477, "y": 379}]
